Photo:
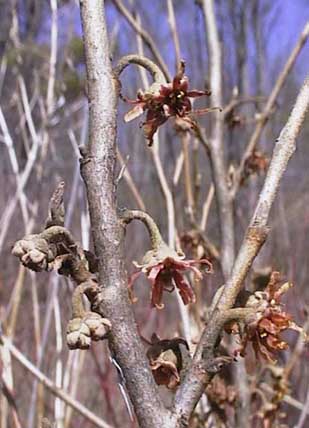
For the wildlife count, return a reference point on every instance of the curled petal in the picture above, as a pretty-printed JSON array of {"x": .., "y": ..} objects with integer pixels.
[
  {"x": 151, "y": 125},
  {"x": 157, "y": 293},
  {"x": 268, "y": 326},
  {"x": 282, "y": 320},
  {"x": 166, "y": 110},
  {"x": 183, "y": 84},
  {"x": 180, "y": 81},
  {"x": 197, "y": 274},
  {"x": 190, "y": 264},
  {"x": 164, "y": 363},
  {"x": 154, "y": 272},
  {"x": 131, "y": 281},
  {"x": 184, "y": 288},
  {"x": 165, "y": 91}
]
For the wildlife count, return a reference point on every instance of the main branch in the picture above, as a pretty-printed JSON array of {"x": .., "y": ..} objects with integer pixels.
[{"x": 98, "y": 171}]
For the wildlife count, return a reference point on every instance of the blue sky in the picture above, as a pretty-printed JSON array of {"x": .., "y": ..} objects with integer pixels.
[{"x": 280, "y": 34}]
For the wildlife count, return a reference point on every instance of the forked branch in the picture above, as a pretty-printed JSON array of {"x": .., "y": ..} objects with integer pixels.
[{"x": 198, "y": 375}]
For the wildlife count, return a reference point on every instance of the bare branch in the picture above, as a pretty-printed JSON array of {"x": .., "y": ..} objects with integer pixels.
[
  {"x": 142, "y": 61},
  {"x": 53, "y": 57},
  {"x": 270, "y": 105},
  {"x": 173, "y": 26},
  {"x": 56, "y": 207},
  {"x": 131, "y": 184},
  {"x": 144, "y": 35},
  {"x": 199, "y": 374},
  {"x": 224, "y": 201},
  {"x": 98, "y": 171},
  {"x": 58, "y": 392}
]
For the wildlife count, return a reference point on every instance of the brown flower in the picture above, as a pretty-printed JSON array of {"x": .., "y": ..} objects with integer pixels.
[
  {"x": 269, "y": 321},
  {"x": 220, "y": 393},
  {"x": 164, "y": 101},
  {"x": 165, "y": 269},
  {"x": 256, "y": 164},
  {"x": 167, "y": 359}
]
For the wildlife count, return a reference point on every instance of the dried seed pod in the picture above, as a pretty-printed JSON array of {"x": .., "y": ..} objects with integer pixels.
[{"x": 168, "y": 360}]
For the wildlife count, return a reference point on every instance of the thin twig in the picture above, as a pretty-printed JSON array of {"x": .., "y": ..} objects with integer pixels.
[
  {"x": 178, "y": 168},
  {"x": 130, "y": 182},
  {"x": 144, "y": 35},
  {"x": 194, "y": 384},
  {"x": 53, "y": 57},
  {"x": 58, "y": 408},
  {"x": 142, "y": 61},
  {"x": 304, "y": 413},
  {"x": 173, "y": 26},
  {"x": 15, "y": 167},
  {"x": 270, "y": 105},
  {"x": 58, "y": 392},
  {"x": 206, "y": 207},
  {"x": 185, "y": 140},
  {"x": 219, "y": 171}
]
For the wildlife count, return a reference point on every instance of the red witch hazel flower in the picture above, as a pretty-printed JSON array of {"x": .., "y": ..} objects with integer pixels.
[
  {"x": 165, "y": 269},
  {"x": 263, "y": 330},
  {"x": 162, "y": 101}
]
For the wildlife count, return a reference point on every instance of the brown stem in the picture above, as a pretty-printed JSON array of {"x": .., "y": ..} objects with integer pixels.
[
  {"x": 142, "y": 61},
  {"x": 153, "y": 230},
  {"x": 78, "y": 310},
  {"x": 56, "y": 207},
  {"x": 55, "y": 234}
]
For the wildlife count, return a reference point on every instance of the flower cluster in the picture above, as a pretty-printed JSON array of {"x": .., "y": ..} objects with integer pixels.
[
  {"x": 165, "y": 269},
  {"x": 264, "y": 329},
  {"x": 164, "y": 101}
]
